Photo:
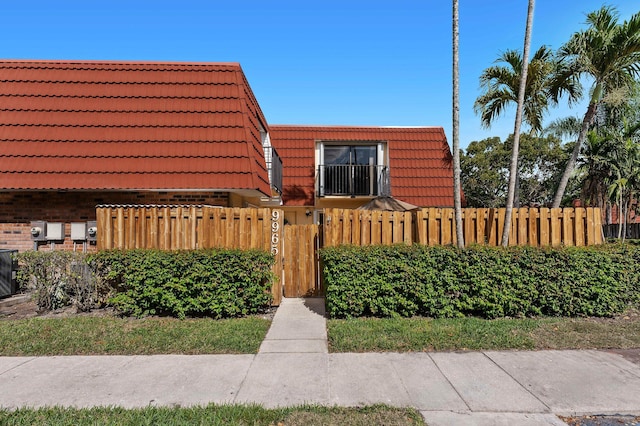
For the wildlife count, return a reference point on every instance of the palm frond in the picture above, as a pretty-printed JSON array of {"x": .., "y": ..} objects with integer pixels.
[
  {"x": 564, "y": 127},
  {"x": 491, "y": 105}
]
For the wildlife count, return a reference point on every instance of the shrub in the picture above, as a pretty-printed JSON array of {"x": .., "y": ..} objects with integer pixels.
[
  {"x": 60, "y": 278},
  {"x": 216, "y": 283},
  {"x": 482, "y": 281}
]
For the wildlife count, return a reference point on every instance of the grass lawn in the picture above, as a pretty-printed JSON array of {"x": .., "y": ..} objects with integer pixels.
[
  {"x": 121, "y": 336},
  {"x": 422, "y": 334},
  {"x": 215, "y": 415}
]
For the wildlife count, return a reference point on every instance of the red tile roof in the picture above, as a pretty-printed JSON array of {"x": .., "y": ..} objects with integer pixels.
[
  {"x": 129, "y": 125},
  {"x": 420, "y": 161}
]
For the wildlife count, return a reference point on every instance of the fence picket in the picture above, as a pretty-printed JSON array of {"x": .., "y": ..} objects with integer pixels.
[
  {"x": 529, "y": 226},
  {"x": 555, "y": 226},
  {"x": 579, "y": 226},
  {"x": 567, "y": 227},
  {"x": 599, "y": 230},
  {"x": 533, "y": 228}
]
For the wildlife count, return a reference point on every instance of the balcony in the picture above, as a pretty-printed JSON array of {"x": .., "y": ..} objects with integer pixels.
[
  {"x": 353, "y": 180},
  {"x": 274, "y": 168}
]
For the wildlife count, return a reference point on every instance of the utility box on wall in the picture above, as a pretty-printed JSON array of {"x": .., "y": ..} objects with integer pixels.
[
  {"x": 39, "y": 230},
  {"x": 55, "y": 231},
  {"x": 79, "y": 231},
  {"x": 92, "y": 231}
]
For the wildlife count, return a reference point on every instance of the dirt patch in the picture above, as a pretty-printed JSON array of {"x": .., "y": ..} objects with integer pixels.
[
  {"x": 601, "y": 420},
  {"x": 18, "y": 306},
  {"x": 632, "y": 355},
  {"x": 21, "y": 306}
]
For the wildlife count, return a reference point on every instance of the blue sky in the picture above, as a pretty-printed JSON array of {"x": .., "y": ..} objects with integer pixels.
[{"x": 382, "y": 63}]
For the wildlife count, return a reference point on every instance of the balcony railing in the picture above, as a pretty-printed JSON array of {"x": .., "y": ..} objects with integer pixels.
[
  {"x": 353, "y": 180},
  {"x": 274, "y": 167}
]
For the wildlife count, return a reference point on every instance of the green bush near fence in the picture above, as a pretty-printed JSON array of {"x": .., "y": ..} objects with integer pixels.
[
  {"x": 488, "y": 282},
  {"x": 214, "y": 283}
]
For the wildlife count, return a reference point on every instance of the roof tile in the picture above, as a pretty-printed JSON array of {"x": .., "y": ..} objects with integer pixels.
[
  {"x": 419, "y": 160},
  {"x": 126, "y": 125}
]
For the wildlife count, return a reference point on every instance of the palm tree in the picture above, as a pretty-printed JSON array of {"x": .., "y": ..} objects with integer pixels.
[
  {"x": 609, "y": 53},
  {"x": 596, "y": 169},
  {"x": 591, "y": 164},
  {"x": 516, "y": 131},
  {"x": 457, "y": 196},
  {"x": 623, "y": 160},
  {"x": 501, "y": 84},
  {"x": 567, "y": 127}
]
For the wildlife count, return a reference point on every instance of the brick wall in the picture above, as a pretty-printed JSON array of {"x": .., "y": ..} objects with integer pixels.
[
  {"x": 632, "y": 218},
  {"x": 18, "y": 209}
]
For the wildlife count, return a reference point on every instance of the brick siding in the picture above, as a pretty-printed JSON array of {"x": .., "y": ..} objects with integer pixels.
[{"x": 18, "y": 209}]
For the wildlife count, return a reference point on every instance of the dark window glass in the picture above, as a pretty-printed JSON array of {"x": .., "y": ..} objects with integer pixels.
[{"x": 350, "y": 170}]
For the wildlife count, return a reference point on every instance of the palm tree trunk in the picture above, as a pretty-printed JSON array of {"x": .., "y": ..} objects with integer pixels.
[
  {"x": 564, "y": 180},
  {"x": 457, "y": 196},
  {"x": 516, "y": 195},
  {"x": 513, "y": 172},
  {"x": 619, "y": 210},
  {"x": 624, "y": 223}
]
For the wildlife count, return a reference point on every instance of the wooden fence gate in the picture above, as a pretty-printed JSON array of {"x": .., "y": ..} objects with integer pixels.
[{"x": 301, "y": 261}]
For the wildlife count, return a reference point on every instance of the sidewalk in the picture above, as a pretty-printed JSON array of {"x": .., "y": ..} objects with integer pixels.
[{"x": 294, "y": 367}]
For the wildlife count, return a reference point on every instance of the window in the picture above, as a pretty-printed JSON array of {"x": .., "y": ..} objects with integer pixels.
[{"x": 351, "y": 170}]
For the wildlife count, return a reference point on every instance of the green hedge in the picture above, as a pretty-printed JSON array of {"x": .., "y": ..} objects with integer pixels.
[
  {"x": 488, "y": 282},
  {"x": 213, "y": 283}
]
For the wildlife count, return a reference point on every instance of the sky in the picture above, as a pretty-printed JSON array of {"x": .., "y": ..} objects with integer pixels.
[{"x": 344, "y": 62}]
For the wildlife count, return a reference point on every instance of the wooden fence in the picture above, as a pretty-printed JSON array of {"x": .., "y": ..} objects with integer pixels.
[
  {"x": 436, "y": 226},
  {"x": 192, "y": 227},
  {"x": 364, "y": 227},
  {"x": 295, "y": 247}
]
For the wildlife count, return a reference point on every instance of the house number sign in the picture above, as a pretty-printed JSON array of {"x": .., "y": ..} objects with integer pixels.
[{"x": 275, "y": 232}]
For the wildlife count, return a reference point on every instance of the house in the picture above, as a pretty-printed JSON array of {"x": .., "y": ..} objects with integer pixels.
[
  {"x": 76, "y": 134},
  {"x": 345, "y": 167}
]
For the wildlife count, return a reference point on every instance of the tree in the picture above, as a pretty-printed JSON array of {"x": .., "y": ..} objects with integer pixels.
[
  {"x": 609, "y": 53},
  {"x": 568, "y": 127},
  {"x": 501, "y": 85},
  {"x": 541, "y": 158},
  {"x": 457, "y": 196},
  {"x": 588, "y": 183},
  {"x": 595, "y": 167},
  {"x": 623, "y": 161},
  {"x": 513, "y": 173},
  {"x": 485, "y": 170}
]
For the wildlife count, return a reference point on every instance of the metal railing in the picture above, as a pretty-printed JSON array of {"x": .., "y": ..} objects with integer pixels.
[
  {"x": 274, "y": 168},
  {"x": 353, "y": 180},
  {"x": 611, "y": 231}
]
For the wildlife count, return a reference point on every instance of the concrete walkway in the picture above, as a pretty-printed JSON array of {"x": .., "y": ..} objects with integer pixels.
[{"x": 294, "y": 367}]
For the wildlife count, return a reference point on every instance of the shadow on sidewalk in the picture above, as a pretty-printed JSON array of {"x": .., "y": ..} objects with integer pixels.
[{"x": 316, "y": 305}]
